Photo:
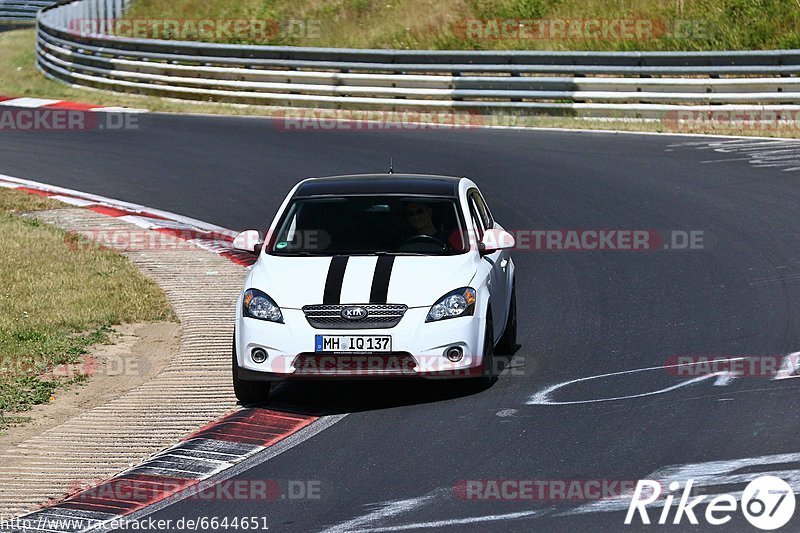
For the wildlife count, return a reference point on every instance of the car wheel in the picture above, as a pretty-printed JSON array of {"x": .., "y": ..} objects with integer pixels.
[
  {"x": 248, "y": 391},
  {"x": 508, "y": 342}
]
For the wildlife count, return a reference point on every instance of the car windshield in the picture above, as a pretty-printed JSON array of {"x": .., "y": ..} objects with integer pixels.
[{"x": 350, "y": 225}]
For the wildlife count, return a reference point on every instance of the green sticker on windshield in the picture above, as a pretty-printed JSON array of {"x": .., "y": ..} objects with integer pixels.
[{"x": 281, "y": 245}]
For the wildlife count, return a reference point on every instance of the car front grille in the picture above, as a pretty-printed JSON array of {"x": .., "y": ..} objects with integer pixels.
[{"x": 379, "y": 316}]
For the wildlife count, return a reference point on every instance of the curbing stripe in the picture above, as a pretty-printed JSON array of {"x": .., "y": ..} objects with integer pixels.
[
  {"x": 28, "y": 102},
  {"x": 209, "y": 451},
  {"x": 208, "y": 237},
  {"x": 102, "y": 200},
  {"x": 75, "y": 106},
  {"x": 46, "y": 103}
]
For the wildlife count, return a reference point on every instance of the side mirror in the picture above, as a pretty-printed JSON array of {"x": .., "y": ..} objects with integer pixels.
[
  {"x": 248, "y": 241},
  {"x": 496, "y": 239}
]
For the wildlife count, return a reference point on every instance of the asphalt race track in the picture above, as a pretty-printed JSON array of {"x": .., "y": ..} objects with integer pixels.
[{"x": 394, "y": 461}]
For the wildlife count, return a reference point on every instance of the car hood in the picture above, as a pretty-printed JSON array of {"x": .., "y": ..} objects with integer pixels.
[{"x": 415, "y": 281}]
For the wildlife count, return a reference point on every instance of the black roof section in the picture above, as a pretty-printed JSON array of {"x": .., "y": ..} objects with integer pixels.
[{"x": 380, "y": 184}]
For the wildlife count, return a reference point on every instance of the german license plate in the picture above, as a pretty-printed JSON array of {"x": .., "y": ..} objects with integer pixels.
[{"x": 353, "y": 343}]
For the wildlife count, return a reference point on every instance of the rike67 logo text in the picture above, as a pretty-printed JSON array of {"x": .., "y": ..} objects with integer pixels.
[{"x": 767, "y": 503}]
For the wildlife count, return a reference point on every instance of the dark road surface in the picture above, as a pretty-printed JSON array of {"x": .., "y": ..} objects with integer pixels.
[{"x": 394, "y": 461}]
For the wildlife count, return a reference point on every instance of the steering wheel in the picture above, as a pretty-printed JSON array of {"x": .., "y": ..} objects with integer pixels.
[{"x": 424, "y": 239}]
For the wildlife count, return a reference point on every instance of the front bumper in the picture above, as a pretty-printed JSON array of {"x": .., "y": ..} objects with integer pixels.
[{"x": 418, "y": 348}]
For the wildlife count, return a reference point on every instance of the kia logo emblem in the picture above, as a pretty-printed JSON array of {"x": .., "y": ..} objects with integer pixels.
[{"x": 354, "y": 313}]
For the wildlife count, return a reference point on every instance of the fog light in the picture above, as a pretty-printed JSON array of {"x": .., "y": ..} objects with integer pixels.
[
  {"x": 454, "y": 354},
  {"x": 258, "y": 355}
]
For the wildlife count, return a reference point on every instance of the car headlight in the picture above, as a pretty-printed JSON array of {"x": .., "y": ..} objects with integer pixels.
[
  {"x": 460, "y": 302},
  {"x": 258, "y": 305}
]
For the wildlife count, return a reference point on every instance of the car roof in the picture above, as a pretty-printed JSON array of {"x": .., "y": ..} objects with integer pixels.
[{"x": 413, "y": 184}]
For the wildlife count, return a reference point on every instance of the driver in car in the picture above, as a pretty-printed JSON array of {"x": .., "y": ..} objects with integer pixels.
[{"x": 420, "y": 216}]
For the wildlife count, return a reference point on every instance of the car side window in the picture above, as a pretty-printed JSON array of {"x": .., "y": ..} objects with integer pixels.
[{"x": 483, "y": 211}]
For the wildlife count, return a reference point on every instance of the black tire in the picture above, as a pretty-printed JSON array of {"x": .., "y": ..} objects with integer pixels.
[
  {"x": 508, "y": 342},
  {"x": 248, "y": 391}
]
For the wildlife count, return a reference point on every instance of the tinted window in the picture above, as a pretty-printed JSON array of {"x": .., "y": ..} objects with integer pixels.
[
  {"x": 476, "y": 219},
  {"x": 368, "y": 225},
  {"x": 483, "y": 211}
]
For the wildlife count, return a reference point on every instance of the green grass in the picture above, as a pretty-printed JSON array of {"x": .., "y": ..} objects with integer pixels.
[
  {"x": 57, "y": 300},
  {"x": 19, "y": 77},
  {"x": 434, "y": 24}
]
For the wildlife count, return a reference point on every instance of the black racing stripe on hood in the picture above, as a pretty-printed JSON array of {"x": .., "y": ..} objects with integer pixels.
[
  {"x": 380, "y": 280},
  {"x": 335, "y": 279}
]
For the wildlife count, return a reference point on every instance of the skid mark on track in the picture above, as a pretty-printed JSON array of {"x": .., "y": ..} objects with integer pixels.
[
  {"x": 713, "y": 477},
  {"x": 782, "y": 155},
  {"x": 375, "y": 520},
  {"x": 384, "y": 511}
]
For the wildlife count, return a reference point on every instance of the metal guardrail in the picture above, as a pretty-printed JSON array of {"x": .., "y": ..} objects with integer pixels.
[
  {"x": 21, "y": 10},
  {"x": 642, "y": 84}
]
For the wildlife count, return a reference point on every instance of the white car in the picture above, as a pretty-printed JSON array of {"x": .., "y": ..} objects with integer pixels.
[{"x": 375, "y": 276}]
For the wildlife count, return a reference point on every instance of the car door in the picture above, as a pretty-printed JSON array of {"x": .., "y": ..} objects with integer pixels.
[{"x": 497, "y": 261}]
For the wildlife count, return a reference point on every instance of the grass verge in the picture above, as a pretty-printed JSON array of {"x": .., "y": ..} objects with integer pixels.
[
  {"x": 442, "y": 24},
  {"x": 56, "y": 301}
]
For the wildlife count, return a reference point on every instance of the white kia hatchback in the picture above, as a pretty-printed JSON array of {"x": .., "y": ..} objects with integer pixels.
[{"x": 375, "y": 276}]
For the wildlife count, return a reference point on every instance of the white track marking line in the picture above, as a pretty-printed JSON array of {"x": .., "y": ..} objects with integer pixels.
[
  {"x": 789, "y": 367},
  {"x": 383, "y": 511},
  {"x": 73, "y": 201},
  {"x": 774, "y": 155},
  {"x": 708, "y": 475},
  {"x": 28, "y": 102},
  {"x": 120, "y": 204},
  {"x": 777, "y": 154},
  {"x": 780, "y": 147},
  {"x": 262, "y": 456},
  {"x": 118, "y": 110},
  {"x": 724, "y": 379},
  {"x": 543, "y": 397},
  {"x": 725, "y": 160},
  {"x": 142, "y": 222},
  {"x": 459, "y": 521}
]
